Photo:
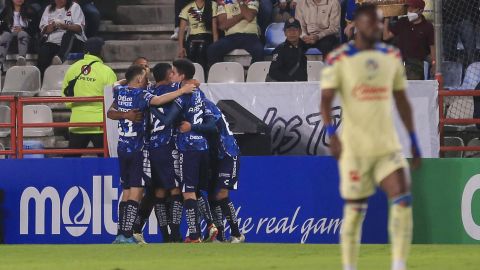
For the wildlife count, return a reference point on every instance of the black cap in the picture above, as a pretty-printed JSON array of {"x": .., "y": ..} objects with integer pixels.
[
  {"x": 292, "y": 22},
  {"x": 94, "y": 45}
]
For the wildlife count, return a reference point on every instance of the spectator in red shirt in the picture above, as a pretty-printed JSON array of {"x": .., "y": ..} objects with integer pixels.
[{"x": 414, "y": 37}]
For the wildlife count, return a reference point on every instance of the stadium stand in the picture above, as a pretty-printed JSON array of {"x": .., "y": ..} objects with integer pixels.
[
  {"x": 37, "y": 114},
  {"x": 274, "y": 36},
  {"x": 53, "y": 81},
  {"x": 454, "y": 141},
  {"x": 4, "y": 118},
  {"x": 473, "y": 154},
  {"x": 258, "y": 71},
  {"x": 199, "y": 73},
  {"x": 22, "y": 81},
  {"x": 226, "y": 72},
  {"x": 453, "y": 72},
  {"x": 314, "y": 69}
]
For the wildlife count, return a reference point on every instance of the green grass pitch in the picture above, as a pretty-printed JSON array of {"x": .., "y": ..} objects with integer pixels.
[{"x": 225, "y": 256}]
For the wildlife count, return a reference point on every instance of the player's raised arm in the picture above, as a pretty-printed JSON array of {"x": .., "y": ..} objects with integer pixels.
[{"x": 169, "y": 97}]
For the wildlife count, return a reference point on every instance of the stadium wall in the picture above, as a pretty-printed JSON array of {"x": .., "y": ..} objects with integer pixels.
[{"x": 280, "y": 200}]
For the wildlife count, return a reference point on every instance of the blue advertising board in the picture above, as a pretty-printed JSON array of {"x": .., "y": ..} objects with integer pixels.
[{"x": 280, "y": 200}]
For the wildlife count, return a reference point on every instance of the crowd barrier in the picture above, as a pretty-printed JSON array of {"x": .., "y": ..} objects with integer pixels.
[{"x": 280, "y": 200}]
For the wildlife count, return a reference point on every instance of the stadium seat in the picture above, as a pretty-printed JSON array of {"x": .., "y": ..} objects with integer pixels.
[
  {"x": 4, "y": 118},
  {"x": 453, "y": 141},
  {"x": 314, "y": 69},
  {"x": 2, "y": 148},
  {"x": 22, "y": 81},
  {"x": 258, "y": 71},
  {"x": 53, "y": 81},
  {"x": 199, "y": 73},
  {"x": 452, "y": 74},
  {"x": 471, "y": 154},
  {"x": 37, "y": 114},
  {"x": 472, "y": 77},
  {"x": 226, "y": 72},
  {"x": 274, "y": 36},
  {"x": 313, "y": 51},
  {"x": 240, "y": 56}
]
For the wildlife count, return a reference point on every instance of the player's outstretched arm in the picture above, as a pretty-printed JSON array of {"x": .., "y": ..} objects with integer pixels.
[
  {"x": 207, "y": 127},
  {"x": 169, "y": 97},
  {"x": 172, "y": 115},
  {"x": 328, "y": 96},
  {"x": 405, "y": 111}
]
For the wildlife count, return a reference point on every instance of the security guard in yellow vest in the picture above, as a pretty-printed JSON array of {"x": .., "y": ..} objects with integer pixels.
[{"x": 95, "y": 76}]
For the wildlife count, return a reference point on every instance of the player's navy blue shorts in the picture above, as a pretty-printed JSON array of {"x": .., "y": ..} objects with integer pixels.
[
  {"x": 162, "y": 160},
  {"x": 225, "y": 174},
  {"x": 131, "y": 169},
  {"x": 191, "y": 169}
]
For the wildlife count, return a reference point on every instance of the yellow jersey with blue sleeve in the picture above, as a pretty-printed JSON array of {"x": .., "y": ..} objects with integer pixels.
[
  {"x": 194, "y": 17},
  {"x": 365, "y": 81},
  {"x": 232, "y": 8}
]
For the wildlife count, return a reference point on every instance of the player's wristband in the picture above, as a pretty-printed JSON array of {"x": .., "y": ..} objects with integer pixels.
[
  {"x": 331, "y": 130},
  {"x": 415, "y": 146}
]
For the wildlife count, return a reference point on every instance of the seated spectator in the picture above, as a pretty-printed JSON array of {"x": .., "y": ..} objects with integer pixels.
[
  {"x": 18, "y": 21},
  {"x": 350, "y": 27},
  {"x": 92, "y": 17},
  {"x": 320, "y": 21},
  {"x": 62, "y": 27},
  {"x": 285, "y": 8},
  {"x": 265, "y": 14},
  {"x": 289, "y": 62},
  {"x": 199, "y": 16},
  {"x": 239, "y": 21},
  {"x": 414, "y": 37},
  {"x": 95, "y": 76}
]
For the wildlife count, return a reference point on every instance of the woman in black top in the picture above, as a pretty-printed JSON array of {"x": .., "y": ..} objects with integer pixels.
[{"x": 18, "y": 20}]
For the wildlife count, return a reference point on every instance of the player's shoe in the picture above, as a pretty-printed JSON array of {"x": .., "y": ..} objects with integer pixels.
[
  {"x": 212, "y": 234},
  {"x": 139, "y": 238},
  {"x": 237, "y": 240},
  {"x": 129, "y": 240},
  {"x": 191, "y": 241},
  {"x": 118, "y": 239}
]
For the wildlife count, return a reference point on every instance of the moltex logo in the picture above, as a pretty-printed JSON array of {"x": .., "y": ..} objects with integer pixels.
[{"x": 87, "y": 209}]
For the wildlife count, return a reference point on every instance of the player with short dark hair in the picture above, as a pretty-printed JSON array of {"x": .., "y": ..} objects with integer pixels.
[
  {"x": 192, "y": 146},
  {"x": 368, "y": 74},
  {"x": 130, "y": 105},
  {"x": 225, "y": 167}
]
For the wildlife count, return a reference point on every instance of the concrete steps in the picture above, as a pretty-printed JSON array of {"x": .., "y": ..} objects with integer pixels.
[
  {"x": 128, "y": 50},
  {"x": 136, "y": 32},
  {"x": 145, "y": 14}
]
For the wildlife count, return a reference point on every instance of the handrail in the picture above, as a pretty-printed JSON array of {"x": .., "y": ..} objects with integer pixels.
[
  {"x": 22, "y": 125},
  {"x": 12, "y": 126},
  {"x": 445, "y": 121}
]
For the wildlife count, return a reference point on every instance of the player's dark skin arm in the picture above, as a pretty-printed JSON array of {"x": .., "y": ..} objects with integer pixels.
[
  {"x": 328, "y": 95},
  {"x": 405, "y": 111}
]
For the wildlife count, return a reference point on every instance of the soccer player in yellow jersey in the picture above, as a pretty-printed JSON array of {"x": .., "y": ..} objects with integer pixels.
[{"x": 367, "y": 74}]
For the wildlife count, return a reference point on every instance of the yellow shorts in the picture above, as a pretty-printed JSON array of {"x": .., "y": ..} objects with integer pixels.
[{"x": 359, "y": 176}]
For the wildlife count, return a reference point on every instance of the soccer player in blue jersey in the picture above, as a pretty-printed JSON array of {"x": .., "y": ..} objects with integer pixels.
[
  {"x": 192, "y": 146},
  {"x": 225, "y": 166},
  {"x": 129, "y": 101}
]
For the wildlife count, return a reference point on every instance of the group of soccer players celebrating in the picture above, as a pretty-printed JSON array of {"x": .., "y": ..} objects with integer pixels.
[{"x": 176, "y": 152}]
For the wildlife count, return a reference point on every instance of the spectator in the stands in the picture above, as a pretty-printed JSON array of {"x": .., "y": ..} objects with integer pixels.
[
  {"x": 92, "y": 17},
  {"x": 289, "y": 63},
  {"x": 460, "y": 18},
  {"x": 95, "y": 76},
  {"x": 62, "y": 26},
  {"x": 320, "y": 21},
  {"x": 349, "y": 30},
  {"x": 265, "y": 14},
  {"x": 200, "y": 17},
  {"x": 38, "y": 5},
  {"x": 17, "y": 21},
  {"x": 179, "y": 5},
  {"x": 414, "y": 37},
  {"x": 239, "y": 21},
  {"x": 285, "y": 8}
]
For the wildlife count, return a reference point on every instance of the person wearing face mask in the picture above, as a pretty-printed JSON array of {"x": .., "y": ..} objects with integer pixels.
[{"x": 414, "y": 37}]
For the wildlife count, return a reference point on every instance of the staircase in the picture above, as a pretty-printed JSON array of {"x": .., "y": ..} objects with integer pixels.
[{"x": 140, "y": 28}]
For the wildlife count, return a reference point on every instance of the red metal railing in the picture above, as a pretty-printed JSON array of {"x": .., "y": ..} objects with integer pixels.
[
  {"x": 22, "y": 125},
  {"x": 450, "y": 121},
  {"x": 12, "y": 126}
]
